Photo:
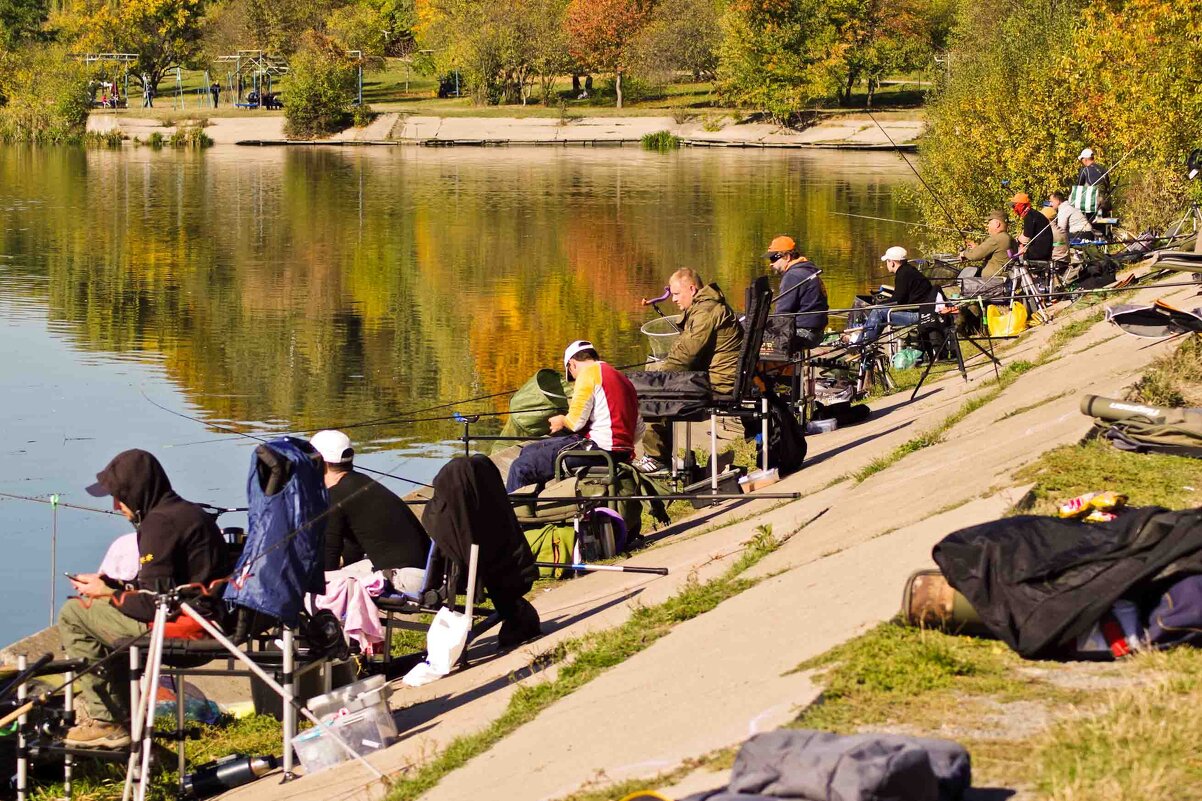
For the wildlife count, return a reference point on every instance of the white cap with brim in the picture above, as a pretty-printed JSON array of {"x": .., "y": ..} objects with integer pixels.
[
  {"x": 576, "y": 347},
  {"x": 334, "y": 446},
  {"x": 1087, "y": 153},
  {"x": 895, "y": 253}
]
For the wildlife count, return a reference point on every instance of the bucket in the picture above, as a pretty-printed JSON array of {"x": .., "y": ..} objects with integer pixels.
[{"x": 661, "y": 334}]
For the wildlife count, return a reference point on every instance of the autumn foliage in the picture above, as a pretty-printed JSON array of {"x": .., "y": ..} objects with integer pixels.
[{"x": 600, "y": 33}]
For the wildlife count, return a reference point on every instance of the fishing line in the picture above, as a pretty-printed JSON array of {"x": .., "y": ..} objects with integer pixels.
[
  {"x": 904, "y": 222},
  {"x": 918, "y": 175}
]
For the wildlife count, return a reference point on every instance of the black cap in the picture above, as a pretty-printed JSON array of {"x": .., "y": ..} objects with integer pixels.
[{"x": 97, "y": 490}]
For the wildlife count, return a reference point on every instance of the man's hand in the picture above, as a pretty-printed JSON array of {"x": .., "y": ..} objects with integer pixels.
[
  {"x": 91, "y": 585},
  {"x": 558, "y": 423}
]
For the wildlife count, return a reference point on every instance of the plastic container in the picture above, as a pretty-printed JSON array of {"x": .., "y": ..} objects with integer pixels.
[
  {"x": 373, "y": 691},
  {"x": 366, "y": 731},
  {"x": 661, "y": 334},
  {"x": 822, "y": 426},
  {"x": 358, "y": 713},
  {"x": 758, "y": 480}
]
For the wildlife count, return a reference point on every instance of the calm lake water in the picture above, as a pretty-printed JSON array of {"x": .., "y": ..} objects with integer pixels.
[{"x": 273, "y": 290}]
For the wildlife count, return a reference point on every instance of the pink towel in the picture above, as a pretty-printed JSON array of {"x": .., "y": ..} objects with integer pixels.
[{"x": 347, "y": 598}]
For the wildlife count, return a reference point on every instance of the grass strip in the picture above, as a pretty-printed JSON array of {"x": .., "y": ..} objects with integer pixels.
[
  {"x": 1142, "y": 745},
  {"x": 1147, "y": 479},
  {"x": 935, "y": 435},
  {"x": 583, "y": 659}
]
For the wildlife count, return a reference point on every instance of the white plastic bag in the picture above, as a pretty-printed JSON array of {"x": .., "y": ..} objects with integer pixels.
[{"x": 444, "y": 645}]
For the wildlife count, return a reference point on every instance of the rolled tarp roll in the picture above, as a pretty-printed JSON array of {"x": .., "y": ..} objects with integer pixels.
[{"x": 1115, "y": 410}]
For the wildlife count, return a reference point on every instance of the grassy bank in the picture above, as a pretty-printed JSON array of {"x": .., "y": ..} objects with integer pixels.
[{"x": 1061, "y": 730}]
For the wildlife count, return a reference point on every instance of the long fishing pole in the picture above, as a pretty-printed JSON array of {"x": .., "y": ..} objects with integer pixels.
[
  {"x": 918, "y": 175},
  {"x": 264, "y": 441},
  {"x": 904, "y": 222},
  {"x": 52, "y": 502}
]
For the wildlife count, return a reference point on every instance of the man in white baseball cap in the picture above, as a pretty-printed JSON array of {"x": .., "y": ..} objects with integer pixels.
[
  {"x": 366, "y": 519},
  {"x": 603, "y": 415},
  {"x": 911, "y": 289}
]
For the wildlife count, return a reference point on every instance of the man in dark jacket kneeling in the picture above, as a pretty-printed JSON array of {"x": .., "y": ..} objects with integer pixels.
[{"x": 178, "y": 543}]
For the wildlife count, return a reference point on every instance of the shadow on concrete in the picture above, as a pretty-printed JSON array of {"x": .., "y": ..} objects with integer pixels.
[{"x": 416, "y": 719}]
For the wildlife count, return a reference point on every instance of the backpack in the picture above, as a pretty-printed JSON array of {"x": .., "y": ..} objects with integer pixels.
[
  {"x": 555, "y": 544},
  {"x": 786, "y": 437}
]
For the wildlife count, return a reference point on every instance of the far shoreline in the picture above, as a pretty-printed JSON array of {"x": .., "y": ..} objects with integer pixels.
[{"x": 886, "y": 130}]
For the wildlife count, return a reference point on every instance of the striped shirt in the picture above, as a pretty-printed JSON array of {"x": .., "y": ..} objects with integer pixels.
[{"x": 605, "y": 407}]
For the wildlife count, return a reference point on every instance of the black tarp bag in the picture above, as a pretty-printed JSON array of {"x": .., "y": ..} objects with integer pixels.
[{"x": 671, "y": 393}]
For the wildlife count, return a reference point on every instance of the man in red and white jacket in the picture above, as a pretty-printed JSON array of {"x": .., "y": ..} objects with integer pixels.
[{"x": 602, "y": 415}]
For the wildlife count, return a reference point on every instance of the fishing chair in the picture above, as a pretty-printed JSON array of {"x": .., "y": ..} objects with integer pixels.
[
  {"x": 278, "y": 564},
  {"x": 437, "y": 587}
]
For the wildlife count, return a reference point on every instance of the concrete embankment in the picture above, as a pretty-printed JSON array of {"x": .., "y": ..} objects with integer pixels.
[
  {"x": 850, "y": 131},
  {"x": 728, "y": 673}
]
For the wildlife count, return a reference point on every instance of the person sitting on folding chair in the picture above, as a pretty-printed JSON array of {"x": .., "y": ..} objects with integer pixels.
[
  {"x": 911, "y": 289},
  {"x": 366, "y": 519},
  {"x": 180, "y": 544},
  {"x": 801, "y": 292},
  {"x": 603, "y": 415},
  {"x": 994, "y": 250},
  {"x": 710, "y": 340}
]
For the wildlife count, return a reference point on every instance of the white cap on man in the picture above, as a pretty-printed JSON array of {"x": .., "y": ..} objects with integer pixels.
[
  {"x": 334, "y": 446},
  {"x": 895, "y": 253},
  {"x": 1087, "y": 153},
  {"x": 576, "y": 347}
]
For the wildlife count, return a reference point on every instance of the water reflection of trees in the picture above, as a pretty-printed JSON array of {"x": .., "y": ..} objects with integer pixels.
[{"x": 309, "y": 287}]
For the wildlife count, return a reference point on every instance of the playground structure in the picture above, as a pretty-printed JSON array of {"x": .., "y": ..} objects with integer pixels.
[
  {"x": 119, "y": 83},
  {"x": 254, "y": 72}
]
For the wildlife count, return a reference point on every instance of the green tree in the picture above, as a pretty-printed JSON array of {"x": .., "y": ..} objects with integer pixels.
[
  {"x": 45, "y": 94},
  {"x": 501, "y": 49},
  {"x": 320, "y": 89},
  {"x": 377, "y": 28},
  {"x": 884, "y": 37},
  {"x": 680, "y": 36},
  {"x": 164, "y": 33},
  {"x": 20, "y": 21},
  {"x": 781, "y": 56},
  {"x": 602, "y": 34},
  {"x": 1001, "y": 113}
]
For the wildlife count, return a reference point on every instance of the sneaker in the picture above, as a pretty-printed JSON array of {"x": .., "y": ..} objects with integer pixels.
[
  {"x": 646, "y": 464},
  {"x": 97, "y": 734}
]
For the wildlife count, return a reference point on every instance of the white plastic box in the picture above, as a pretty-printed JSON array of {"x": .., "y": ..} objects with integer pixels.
[{"x": 358, "y": 713}]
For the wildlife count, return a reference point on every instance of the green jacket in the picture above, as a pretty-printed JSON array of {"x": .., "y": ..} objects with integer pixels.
[{"x": 710, "y": 340}]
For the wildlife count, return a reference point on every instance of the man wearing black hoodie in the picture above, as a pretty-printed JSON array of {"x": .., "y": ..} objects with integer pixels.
[{"x": 179, "y": 543}]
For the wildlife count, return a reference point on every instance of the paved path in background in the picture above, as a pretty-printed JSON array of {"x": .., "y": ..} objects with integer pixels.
[
  {"x": 847, "y": 131},
  {"x": 711, "y": 680}
]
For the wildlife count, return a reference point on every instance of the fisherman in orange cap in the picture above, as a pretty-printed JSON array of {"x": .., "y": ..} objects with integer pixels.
[
  {"x": 801, "y": 291},
  {"x": 1035, "y": 242}
]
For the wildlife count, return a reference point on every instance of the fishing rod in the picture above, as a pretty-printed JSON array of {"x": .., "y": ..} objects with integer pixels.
[
  {"x": 1067, "y": 293},
  {"x": 587, "y": 568},
  {"x": 904, "y": 222},
  {"x": 265, "y": 441},
  {"x": 918, "y": 175},
  {"x": 53, "y": 501}
]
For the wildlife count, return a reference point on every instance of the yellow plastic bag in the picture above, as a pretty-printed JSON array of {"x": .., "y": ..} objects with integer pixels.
[{"x": 1006, "y": 324}]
